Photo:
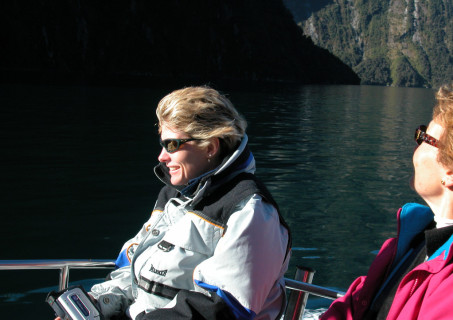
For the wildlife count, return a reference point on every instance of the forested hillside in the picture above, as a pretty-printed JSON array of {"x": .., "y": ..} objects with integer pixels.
[
  {"x": 140, "y": 40},
  {"x": 387, "y": 42}
]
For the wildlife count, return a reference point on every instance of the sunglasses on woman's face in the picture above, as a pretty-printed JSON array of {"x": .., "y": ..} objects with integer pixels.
[
  {"x": 173, "y": 145},
  {"x": 422, "y": 136}
]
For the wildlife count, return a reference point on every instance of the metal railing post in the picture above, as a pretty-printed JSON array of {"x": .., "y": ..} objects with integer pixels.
[
  {"x": 64, "y": 278},
  {"x": 298, "y": 299}
]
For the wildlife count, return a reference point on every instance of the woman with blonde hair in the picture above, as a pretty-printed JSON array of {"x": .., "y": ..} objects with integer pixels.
[
  {"x": 215, "y": 246},
  {"x": 412, "y": 275}
]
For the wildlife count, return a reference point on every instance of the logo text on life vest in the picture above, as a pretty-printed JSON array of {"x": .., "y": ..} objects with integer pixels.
[{"x": 162, "y": 273}]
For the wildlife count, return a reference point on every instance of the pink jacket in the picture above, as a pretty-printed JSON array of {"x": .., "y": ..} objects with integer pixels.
[{"x": 425, "y": 293}]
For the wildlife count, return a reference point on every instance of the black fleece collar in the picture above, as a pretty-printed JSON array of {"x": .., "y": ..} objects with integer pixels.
[{"x": 436, "y": 237}]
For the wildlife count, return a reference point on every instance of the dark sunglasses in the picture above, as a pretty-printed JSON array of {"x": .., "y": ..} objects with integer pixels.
[
  {"x": 422, "y": 136},
  {"x": 173, "y": 145}
]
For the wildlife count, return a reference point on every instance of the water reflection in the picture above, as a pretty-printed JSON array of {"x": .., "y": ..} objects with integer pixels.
[{"x": 338, "y": 160}]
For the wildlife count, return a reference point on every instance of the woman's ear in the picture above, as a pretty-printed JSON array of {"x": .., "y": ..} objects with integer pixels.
[
  {"x": 447, "y": 179},
  {"x": 213, "y": 147}
]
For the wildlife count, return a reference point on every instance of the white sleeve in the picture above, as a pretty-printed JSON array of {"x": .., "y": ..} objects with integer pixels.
[
  {"x": 249, "y": 261},
  {"x": 114, "y": 296}
]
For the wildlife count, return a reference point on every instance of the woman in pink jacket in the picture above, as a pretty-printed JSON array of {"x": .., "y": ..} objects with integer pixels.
[{"x": 412, "y": 276}]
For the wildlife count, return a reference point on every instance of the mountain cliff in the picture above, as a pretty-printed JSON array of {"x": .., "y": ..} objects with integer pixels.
[
  {"x": 386, "y": 42},
  {"x": 172, "y": 40}
]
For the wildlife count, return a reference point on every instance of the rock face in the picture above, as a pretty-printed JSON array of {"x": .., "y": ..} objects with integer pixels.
[
  {"x": 387, "y": 42},
  {"x": 171, "y": 40}
]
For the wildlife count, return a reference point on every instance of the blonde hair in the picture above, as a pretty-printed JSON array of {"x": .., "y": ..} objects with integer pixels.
[
  {"x": 443, "y": 113},
  {"x": 202, "y": 113}
]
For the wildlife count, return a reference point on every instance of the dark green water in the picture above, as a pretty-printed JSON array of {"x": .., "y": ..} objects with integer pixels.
[{"x": 77, "y": 178}]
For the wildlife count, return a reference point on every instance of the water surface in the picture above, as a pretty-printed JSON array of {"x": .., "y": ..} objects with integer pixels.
[{"x": 77, "y": 173}]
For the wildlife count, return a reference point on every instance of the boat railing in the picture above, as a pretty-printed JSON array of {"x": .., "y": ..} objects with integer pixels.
[
  {"x": 300, "y": 287},
  {"x": 63, "y": 265}
]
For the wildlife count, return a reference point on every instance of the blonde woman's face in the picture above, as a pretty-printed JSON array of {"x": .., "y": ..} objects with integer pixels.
[{"x": 188, "y": 162}]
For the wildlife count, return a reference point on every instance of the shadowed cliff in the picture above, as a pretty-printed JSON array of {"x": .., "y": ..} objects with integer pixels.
[{"x": 174, "y": 41}]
